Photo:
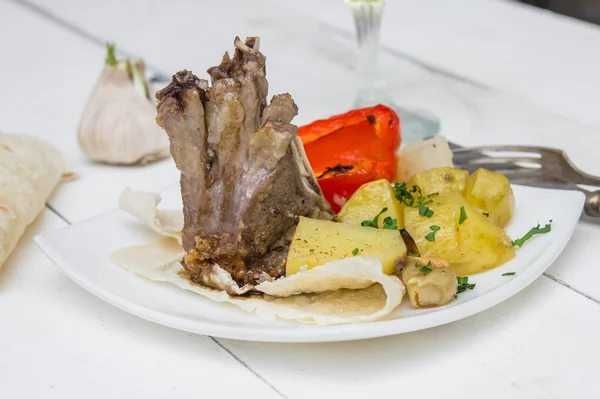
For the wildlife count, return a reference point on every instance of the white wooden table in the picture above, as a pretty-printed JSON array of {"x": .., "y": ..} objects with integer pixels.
[{"x": 493, "y": 71}]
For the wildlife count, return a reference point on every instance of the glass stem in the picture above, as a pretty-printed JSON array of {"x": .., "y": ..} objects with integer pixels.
[
  {"x": 367, "y": 18},
  {"x": 372, "y": 88}
]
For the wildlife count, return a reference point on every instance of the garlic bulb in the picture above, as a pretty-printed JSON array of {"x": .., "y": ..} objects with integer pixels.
[{"x": 118, "y": 123}]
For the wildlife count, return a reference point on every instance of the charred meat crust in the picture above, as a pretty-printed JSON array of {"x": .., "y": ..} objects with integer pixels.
[
  {"x": 182, "y": 81},
  {"x": 245, "y": 178}
]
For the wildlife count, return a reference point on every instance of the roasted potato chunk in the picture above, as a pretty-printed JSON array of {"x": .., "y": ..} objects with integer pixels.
[
  {"x": 368, "y": 201},
  {"x": 317, "y": 242},
  {"x": 490, "y": 192},
  {"x": 440, "y": 180},
  {"x": 429, "y": 281},
  {"x": 471, "y": 243}
]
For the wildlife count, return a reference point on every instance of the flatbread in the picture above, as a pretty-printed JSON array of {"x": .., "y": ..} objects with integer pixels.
[
  {"x": 350, "y": 290},
  {"x": 144, "y": 206},
  {"x": 30, "y": 169}
]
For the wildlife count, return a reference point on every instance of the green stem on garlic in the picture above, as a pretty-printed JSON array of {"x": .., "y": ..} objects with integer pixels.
[
  {"x": 134, "y": 70},
  {"x": 110, "y": 55},
  {"x": 137, "y": 77}
]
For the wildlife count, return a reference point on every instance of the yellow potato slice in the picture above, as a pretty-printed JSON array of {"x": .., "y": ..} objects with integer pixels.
[
  {"x": 368, "y": 201},
  {"x": 317, "y": 242},
  {"x": 440, "y": 180},
  {"x": 473, "y": 246},
  {"x": 491, "y": 193}
]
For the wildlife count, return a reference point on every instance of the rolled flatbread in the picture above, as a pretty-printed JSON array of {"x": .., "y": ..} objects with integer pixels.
[{"x": 30, "y": 169}]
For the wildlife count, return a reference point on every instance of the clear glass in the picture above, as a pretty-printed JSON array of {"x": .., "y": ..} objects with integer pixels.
[{"x": 372, "y": 87}]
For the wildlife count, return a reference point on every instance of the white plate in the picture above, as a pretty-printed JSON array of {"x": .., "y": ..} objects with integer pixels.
[{"x": 81, "y": 252}]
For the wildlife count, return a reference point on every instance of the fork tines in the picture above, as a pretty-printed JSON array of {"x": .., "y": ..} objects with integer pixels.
[
  {"x": 524, "y": 165},
  {"x": 530, "y": 164}
]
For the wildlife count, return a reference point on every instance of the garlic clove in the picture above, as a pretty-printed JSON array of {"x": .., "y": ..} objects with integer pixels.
[{"x": 118, "y": 124}]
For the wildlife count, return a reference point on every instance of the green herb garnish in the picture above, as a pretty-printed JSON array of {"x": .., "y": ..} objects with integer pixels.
[
  {"x": 463, "y": 215},
  {"x": 486, "y": 214},
  {"x": 424, "y": 269},
  {"x": 425, "y": 211},
  {"x": 509, "y": 274},
  {"x": 355, "y": 251},
  {"x": 463, "y": 285},
  {"x": 431, "y": 236},
  {"x": 421, "y": 201},
  {"x": 390, "y": 224},
  {"x": 403, "y": 194},
  {"x": 418, "y": 200},
  {"x": 416, "y": 188},
  {"x": 373, "y": 223},
  {"x": 535, "y": 230},
  {"x": 433, "y": 194},
  {"x": 110, "y": 55}
]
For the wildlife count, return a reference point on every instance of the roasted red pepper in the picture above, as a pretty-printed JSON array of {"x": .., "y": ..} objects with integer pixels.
[{"x": 351, "y": 149}]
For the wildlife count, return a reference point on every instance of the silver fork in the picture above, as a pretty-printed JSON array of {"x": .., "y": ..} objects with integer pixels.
[{"x": 534, "y": 166}]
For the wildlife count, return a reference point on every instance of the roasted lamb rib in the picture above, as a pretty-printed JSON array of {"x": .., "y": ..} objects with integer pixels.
[{"x": 245, "y": 178}]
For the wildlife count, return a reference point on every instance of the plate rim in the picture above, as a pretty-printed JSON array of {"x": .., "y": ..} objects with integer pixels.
[{"x": 331, "y": 333}]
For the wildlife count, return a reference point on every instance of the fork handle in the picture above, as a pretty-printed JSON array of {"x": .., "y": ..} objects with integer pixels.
[
  {"x": 587, "y": 179},
  {"x": 592, "y": 203}
]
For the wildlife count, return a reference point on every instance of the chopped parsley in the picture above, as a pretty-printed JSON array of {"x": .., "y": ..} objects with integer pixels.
[
  {"x": 416, "y": 188},
  {"x": 373, "y": 223},
  {"x": 390, "y": 223},
  {"x": 403, "y": 194},
  {"x": 486, "y": 214},
  {"x": 509, "y": 274},
  {"x": 424, "y": 269},
  {"x": 355, "y": 251},
  {"x": 463, "y": 284},
  {"x": 431, "y": 236},
  {"x": 414, "y": 198},
  {"x": 425, "y": 211},
  {"x": 463, "y": 215},
  {"x": 534, "y": 230}
]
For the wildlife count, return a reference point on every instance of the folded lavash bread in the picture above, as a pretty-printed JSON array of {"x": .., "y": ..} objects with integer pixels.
[
  {"x": 30, "y": 169},
  {"x": 350, "y": 290}
]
